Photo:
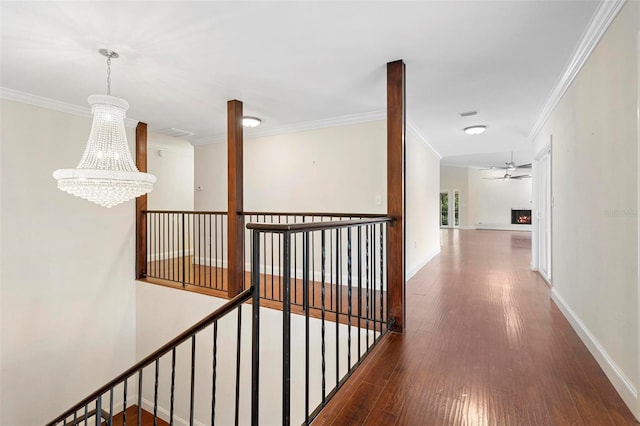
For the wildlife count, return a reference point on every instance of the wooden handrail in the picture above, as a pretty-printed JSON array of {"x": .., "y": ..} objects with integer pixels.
[
  {"x": 185, "y": 212},
  {"x": 164, "y": 349},
  {"x": 322, "y": 214},
  {"x": 313, "y": 214},
  {"x": 315, "y": 226}
]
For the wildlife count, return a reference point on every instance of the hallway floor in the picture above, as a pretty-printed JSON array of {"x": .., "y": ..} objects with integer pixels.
[{"x": 484, "y": 345}]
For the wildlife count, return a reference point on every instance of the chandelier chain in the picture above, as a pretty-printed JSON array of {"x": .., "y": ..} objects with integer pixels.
[{"x": 109, "y": 75}]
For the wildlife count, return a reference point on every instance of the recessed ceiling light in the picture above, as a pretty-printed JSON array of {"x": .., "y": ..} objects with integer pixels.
[
  {"x": 251, "y": 121},
  {"x": 475, "y": 130}
]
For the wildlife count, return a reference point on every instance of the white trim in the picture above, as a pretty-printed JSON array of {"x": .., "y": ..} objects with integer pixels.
[
  {"x": 411, "y": 272},
  {"x": 503, "y": 227},
  {"x": 412, "y": 127},
  {"x": 300, "y": 127},
  {"x": 598, "y": 25},
  {"x": 215, "y": 262},
  {"x": 166, "y": 255},
  {"x": 40, "y": 101},
  {"x": 622, "y": 384},
  {"x": 165, "y": 415}
]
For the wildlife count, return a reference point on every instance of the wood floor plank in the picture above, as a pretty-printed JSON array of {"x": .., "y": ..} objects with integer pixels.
[{"x": 484, "y": 345}]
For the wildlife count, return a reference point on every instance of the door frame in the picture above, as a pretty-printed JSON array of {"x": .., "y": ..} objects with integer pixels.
[{"x": 544, "y": 155}]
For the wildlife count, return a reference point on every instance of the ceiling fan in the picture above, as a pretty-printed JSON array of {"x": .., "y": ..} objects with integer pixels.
[{"x": 509, "y": 167}]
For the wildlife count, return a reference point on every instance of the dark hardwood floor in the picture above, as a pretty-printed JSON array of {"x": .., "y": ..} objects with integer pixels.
[
  {"x": 484, "y": 345},
  {"x": 132, "y": 418}
]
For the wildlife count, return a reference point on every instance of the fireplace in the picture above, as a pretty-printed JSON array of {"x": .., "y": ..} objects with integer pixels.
[{"x": 520, "y": 217}]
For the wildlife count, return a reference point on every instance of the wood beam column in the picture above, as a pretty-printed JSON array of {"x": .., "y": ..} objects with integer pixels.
[
  {"x": 235, "y": 203},
  {"x": 141, "y": 204},
  {"x": 396, "y": 127}
]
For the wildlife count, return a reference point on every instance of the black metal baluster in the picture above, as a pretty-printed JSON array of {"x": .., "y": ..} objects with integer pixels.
[
  {"x": 193, "y": 380},
  {"x": 140, "y": 396},
  {"x": 210, "y": 263},
  {"x": 184, "y": 250},
  {"x": 215, "y": 372},
  {"x": 255, "y": 331},
  {"x": 280, "y": 264},
  {"x": 155, "y": 393},
  {"x": 338, "y": 303},
  {"x": 215, "y": 249},
  {"x": 367, "y": 276},
  {"x": 305, "y": 291},
  {"x": 86, "y": 415},
  {"x": 381, "y": 276},
  {"x": 332, "y": 279},
  {"x": 313, "y": 266},
  {"x": 238, "y": 349},
  {"x": 257, "y": 264},
  {"x": 322, "y": 297},
  {"x": 222, "y": 254},
  {"x": 173, "y": 384},
  {"x": 272, "y": 258},
  {"x": 373, "y": 279},
  {"x": 190, "y": 226},
  {"x": 359, "y": 292},
  {"x": 161, "y": 259},
  {"x": 286, "y": 332},
  {"x": 295, "y": 265},
  {"x": 99, "y": 410},
  {"x": 110, "y": 421},
  {"x": 124, "y": 403},
  {"x": 349, "y": 298}
]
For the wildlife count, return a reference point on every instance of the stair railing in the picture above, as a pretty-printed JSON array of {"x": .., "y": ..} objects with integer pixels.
[
  {"x": 180, "y": 393},
  {"x": 350, "y": 258}
]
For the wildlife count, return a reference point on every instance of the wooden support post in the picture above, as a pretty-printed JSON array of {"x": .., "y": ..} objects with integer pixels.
[
  {"x": 141, "y": 204},
  {"x": 396, "y": 125},
  {"x": 235, "y": 204}
]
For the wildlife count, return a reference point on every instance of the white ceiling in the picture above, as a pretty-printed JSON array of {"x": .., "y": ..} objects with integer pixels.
[{"x": 296, "y": 62}]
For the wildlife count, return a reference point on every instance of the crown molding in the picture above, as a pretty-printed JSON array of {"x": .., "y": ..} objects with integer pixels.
[
  {"x": 412, "y": 127},
  {"x": 300, "y": 127},
  {"x": 40, "y": 101},
  {"x": 600, "y": 22}
]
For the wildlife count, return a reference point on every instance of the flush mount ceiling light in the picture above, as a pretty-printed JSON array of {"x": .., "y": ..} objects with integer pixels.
[
  {"x": 475, "y": 130},
  {"x": 106, "y": 174},
  {"x": 251, "y": 121}
]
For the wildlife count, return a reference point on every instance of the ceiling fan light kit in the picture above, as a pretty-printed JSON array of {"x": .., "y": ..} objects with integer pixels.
[{"x": 508, "y": 168}]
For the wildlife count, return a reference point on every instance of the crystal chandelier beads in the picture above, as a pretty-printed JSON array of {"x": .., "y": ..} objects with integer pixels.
[{"x": 106, "y": 174}]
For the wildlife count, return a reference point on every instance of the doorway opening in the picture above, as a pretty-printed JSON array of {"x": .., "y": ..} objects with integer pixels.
[{"x": 450, "y": 208}]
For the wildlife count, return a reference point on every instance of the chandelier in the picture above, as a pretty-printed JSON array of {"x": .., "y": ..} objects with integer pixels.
[{"x": 106, "y": 174}]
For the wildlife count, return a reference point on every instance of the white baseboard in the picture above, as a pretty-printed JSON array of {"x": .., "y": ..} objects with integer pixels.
[
  {"x": 164, "y": 414},
  {"x": 622, "y": 384},
  {"x": 168, "y": 255},
  {"x": 503, "y": 227},
  {"x": 411, "y": 272}
]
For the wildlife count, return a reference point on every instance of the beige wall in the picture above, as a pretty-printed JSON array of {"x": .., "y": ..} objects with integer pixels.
[
  {"x": 66, "y": 281},
  {"x": 595, "y": 219},
  {"x": 171, "y": 161},
  {"x": 336, "y": 169},
  {"x": 422, "y": 204}
]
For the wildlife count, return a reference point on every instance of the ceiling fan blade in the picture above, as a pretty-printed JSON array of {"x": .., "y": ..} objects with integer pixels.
[
  {"x": 521, "y": 177},
  {"x": 524, "y": 166}
]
